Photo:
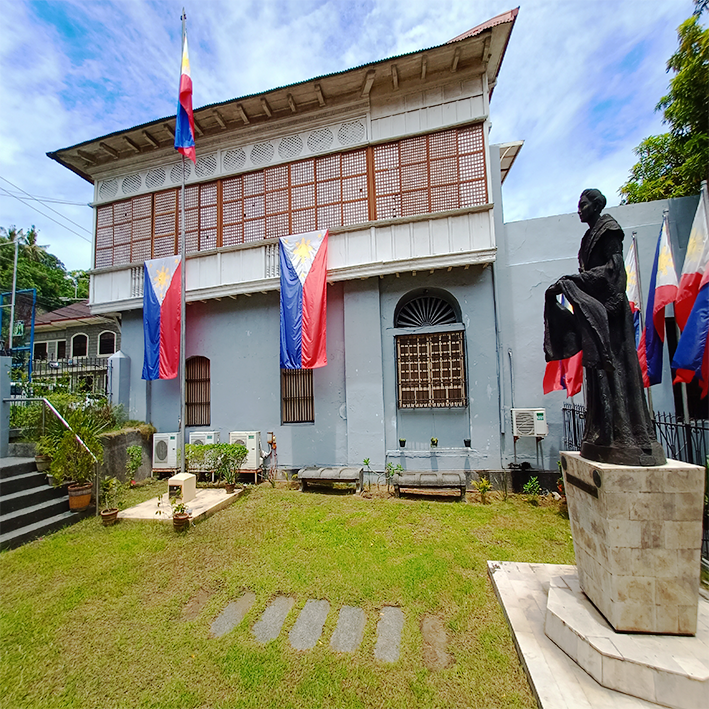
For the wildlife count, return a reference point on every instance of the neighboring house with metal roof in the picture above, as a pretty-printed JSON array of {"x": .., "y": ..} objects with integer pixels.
[
  {"x": 74, "y": 341},
  {"x": 393, "y": 158}
]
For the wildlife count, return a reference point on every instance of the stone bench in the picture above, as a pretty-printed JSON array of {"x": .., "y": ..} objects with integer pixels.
[
  {"x": 455, "y": 482},
  {"x": 331, "y": 475}
]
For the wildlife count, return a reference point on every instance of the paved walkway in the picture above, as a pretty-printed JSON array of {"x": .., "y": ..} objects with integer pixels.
[{"x": 348, "y": 633}]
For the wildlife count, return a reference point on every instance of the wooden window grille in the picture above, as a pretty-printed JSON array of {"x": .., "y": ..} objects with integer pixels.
[
  {"x": 123, "y": 232},
  {"x": 420, "y": 175},
  {"x": 200, "y": 217},
  {"x": 197, "y": 391},
  {"x": 430, "y": 173},
  {"x": 165, "y": 228},
  {"x": 297, "y": 400},
  {"x": 431, "y": 370}
]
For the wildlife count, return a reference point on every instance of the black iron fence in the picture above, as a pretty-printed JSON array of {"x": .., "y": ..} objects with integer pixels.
[
  {"x": 79, "y": 375},
  {"x": 682, "y": 440}
]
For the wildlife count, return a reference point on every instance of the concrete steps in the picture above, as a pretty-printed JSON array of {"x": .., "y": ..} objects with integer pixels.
[{"x": 29, "y": 506}]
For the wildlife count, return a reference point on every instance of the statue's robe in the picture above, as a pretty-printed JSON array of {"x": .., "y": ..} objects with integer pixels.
[{"x": 618, "y": 426}]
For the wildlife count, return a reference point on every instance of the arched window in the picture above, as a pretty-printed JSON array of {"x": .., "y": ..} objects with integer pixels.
[
  {"x": 107, "y": 343},
  {"x": 430, "y": 361},
  {"x": 79, "y": 345},
  {"x": 197, "y": 391}
]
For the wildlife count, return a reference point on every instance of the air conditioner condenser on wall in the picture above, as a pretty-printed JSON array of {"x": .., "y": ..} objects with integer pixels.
[
  {"x": 529, "y": 422},
  {"x": 204, "y": 438},
  {"x": 164, "y": 451},
  {"x": 252, "y": 441}
]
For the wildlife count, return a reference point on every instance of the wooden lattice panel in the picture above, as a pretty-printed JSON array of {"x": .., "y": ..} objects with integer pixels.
[
  {"x": 123, "y": 232},
  {"x": 430, "y": 173},
  {"x": 297, "y": 400},
  {"x": 421, "y": 175},
  {"x": 431, "y": 370}
]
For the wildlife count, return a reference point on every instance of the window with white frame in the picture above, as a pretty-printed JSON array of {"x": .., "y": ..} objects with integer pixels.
[
  {"x": 79, "y": 345},
  {"x": 106, "y": 343}
]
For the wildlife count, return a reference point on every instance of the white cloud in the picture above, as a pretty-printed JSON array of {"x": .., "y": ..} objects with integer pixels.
[{"x": 579, "y": 81}]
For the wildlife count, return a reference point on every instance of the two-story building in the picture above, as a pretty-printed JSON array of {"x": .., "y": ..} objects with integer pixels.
[{"x": 392, "y": 157}]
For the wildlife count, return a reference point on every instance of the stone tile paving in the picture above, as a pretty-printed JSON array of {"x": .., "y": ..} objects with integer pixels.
[
  {"x": 232, "y": 615},
  {"x": 269, "y": 626},
  {"x": 308, "y": 628},
  {"x": 349, "y": 631},
  {"x": 389, "y": 627}
]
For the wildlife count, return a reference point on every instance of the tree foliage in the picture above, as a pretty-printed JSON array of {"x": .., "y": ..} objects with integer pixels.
[
  {"x": 673, "y": 164},
  {"x": 37, "y": 268}
]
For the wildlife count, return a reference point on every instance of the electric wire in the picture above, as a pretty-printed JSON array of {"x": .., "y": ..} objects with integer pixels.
[{"x": 71, "y": 221}]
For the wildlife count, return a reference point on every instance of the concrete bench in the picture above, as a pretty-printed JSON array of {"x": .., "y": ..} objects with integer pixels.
[
  {"x": 330, "y": 475},
  {"x": 455, "y": 482}
]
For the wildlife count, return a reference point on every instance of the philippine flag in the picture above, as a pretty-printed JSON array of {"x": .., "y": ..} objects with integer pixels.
[
  {"x": 692, "y": 354},
  {"x": 632, "y": 289},
  {"x": 663, "y": 291},
  {"x": 184, "y": 123},
  {"x": 695, "y": 262},
  {"x": 303, "y": 261},
  {"x": 564, "y": 373},
  {"x": 162, "y": 296}
]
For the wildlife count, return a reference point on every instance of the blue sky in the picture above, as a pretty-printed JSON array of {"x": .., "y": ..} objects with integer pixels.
[{"x": 579, "y": 83}]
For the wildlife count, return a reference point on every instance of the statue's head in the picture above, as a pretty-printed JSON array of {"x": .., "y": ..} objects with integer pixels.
[{"x": 591, "y": 205}]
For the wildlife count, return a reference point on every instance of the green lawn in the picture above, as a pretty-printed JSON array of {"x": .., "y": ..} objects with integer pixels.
[{"x": 120, "y": 616}]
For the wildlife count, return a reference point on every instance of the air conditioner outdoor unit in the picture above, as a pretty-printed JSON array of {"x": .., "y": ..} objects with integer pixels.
[
  {"x": 529, "y": 422},
  {"x": 252, "y": 441},
  {"x": 204, "y": 438},
  {"x": 164, "y": 451}
]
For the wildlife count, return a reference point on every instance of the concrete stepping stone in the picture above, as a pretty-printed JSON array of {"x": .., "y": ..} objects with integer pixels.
[
  {"x": 349, "y": 630},
  {"x": 269, "y": 626},
  {"x": 435, "y": 639},
  {"x": 308, "y": 628},
  {"x": 389, "y": 627},
  {"x": 232, "y": 615}
]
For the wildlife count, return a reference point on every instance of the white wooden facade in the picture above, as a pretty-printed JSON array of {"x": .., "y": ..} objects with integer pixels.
[{"x": 422, "y": 102}]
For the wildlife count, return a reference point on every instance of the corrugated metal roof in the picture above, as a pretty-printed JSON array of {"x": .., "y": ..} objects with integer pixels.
[{"x": 498, "y": 20}]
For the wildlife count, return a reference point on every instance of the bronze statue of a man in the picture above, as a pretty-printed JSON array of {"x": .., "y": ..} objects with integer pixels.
[{"x": 618, "y": 426}]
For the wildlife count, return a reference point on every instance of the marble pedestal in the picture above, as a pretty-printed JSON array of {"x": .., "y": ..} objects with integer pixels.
[{"x": 637, "y": 536}]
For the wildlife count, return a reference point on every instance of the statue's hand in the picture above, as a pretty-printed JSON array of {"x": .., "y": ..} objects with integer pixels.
[{"x": 554, "y": 289}]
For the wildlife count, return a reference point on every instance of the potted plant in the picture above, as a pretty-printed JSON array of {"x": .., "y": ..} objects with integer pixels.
[
  {"x": 180, "y": 516},
  {"x": 434, "y": 442},
  {"x": 402, "y": 442},
  {"x": 110, "y": 491}
]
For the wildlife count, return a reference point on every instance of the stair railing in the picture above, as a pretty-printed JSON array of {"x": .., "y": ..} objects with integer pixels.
[{"x": 49, "y": 405}]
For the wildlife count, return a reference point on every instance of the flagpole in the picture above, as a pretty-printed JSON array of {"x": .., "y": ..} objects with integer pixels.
[
  {"x": 183, "y": 269},
  {"x": 641, "y": 305}
]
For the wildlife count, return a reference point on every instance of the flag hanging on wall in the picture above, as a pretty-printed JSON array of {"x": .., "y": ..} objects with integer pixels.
[
  {"x": 692, "y": 354},
  {"x": 632, "y": 289},
  {"x": 303, "y": 262},
  {"x": 564, "y": 373},
  {"x": 663, "y": 291},
  {"x": 695, "y": 262},
  {"x": 184, "y": 123},
  {"x": 162, "y": 293}
]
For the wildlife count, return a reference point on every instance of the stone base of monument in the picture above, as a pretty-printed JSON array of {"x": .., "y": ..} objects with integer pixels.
[
  {"x": 672, "y": 671},
  {"x": 637, "y": 535}
]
